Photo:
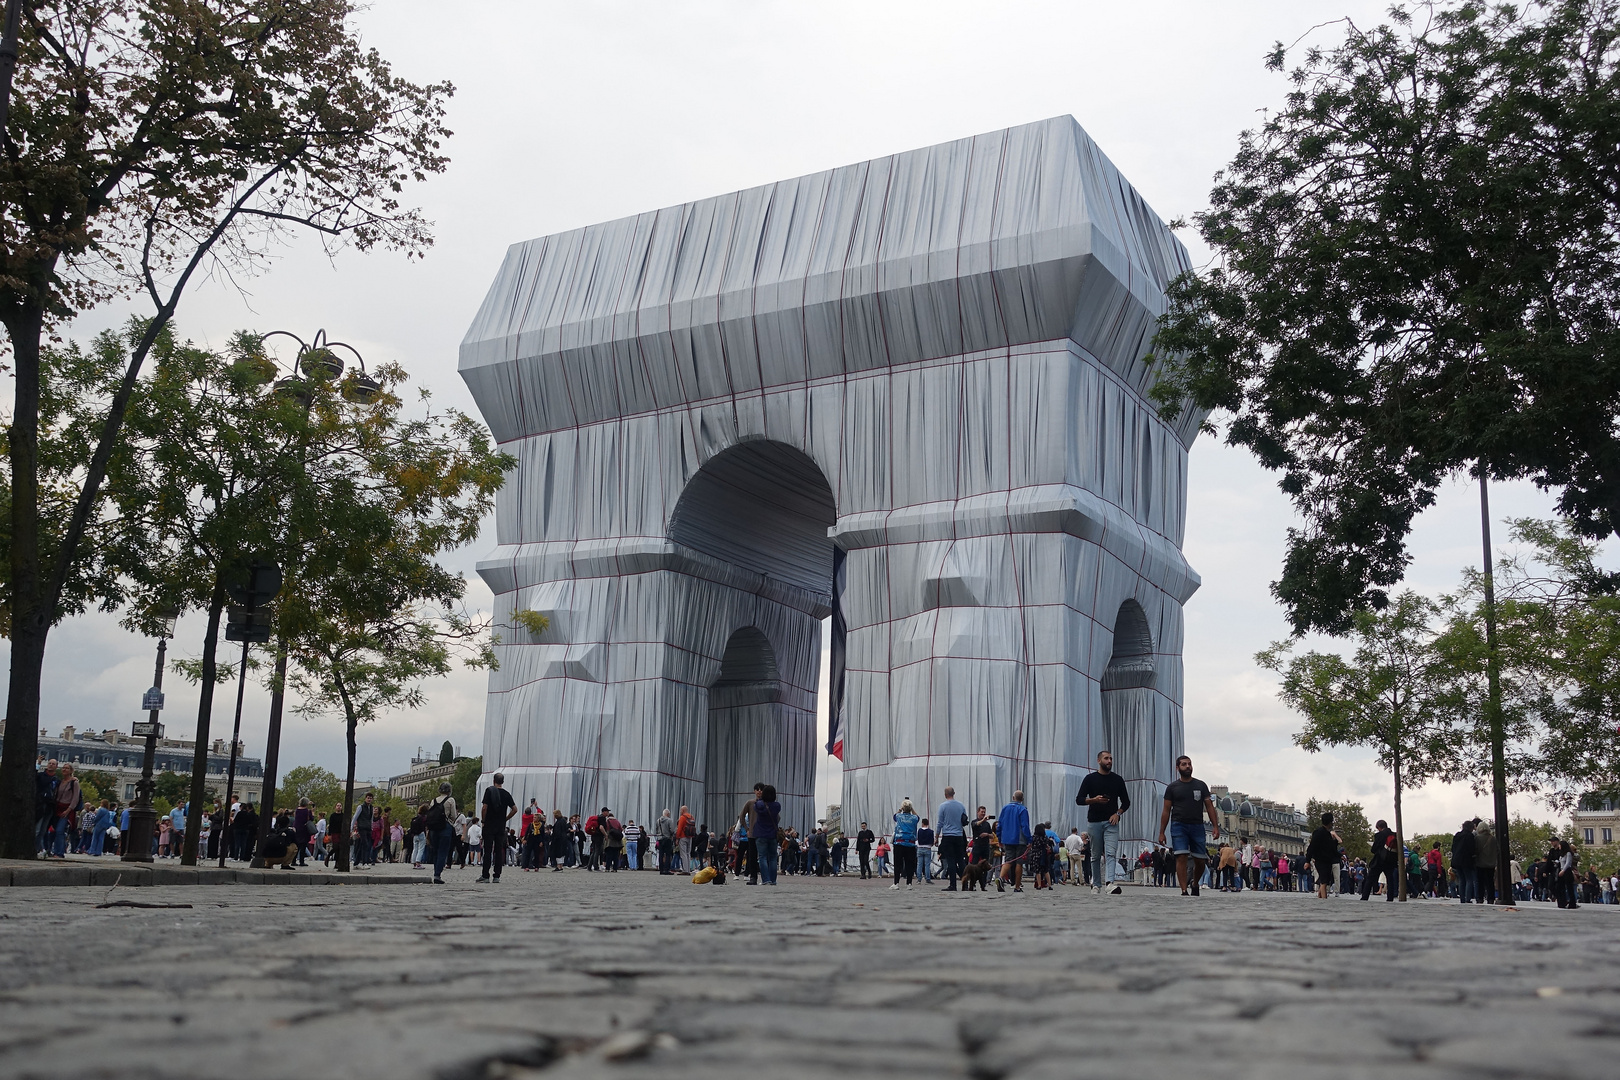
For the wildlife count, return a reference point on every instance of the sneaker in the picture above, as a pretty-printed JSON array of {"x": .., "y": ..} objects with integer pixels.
[
  {"x": 893, "y": 887},
  {"x": 483, "y": 881},
  {"x": 1195, "y": 888},
  {"x": 1115, "y": 891},
  {"x": 1018, "y": 888},
  {"x": 1096, "y": 890}
]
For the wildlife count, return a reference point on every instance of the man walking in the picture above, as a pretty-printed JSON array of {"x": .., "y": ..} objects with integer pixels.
[
  {"x": 1484, "y": 862},
  {"x": 952, "y": 817},
  {"x": 1186, "y": 801},
  {"x": 1463, "y": 862},
  {"x": 1012, "y": 825},
  {"x": 498, "y": 808},
  {"x": 1105, "y": 797}
]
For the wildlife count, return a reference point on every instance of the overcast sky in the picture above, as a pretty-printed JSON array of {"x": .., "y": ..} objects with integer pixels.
[{"x": 571, "y": 114}]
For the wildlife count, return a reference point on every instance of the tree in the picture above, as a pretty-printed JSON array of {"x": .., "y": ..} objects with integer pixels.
[
  {"x": 210, "y": 457},
  {"x": 447, "y": 753},
  {"x": 1349, "y": 821},
  {"x": 1385, "y": 697},
  {"x": 98, "y": 785},
  {"x": 464, "y": 782},
  {"x": 367, "y": 613},
  {"x": 318, "y": 785},
  {"x": 172, "y": 786},
  {"x": 1416, "y": 277},
  {"x": 146, "y": 142},
  {"x": 1559, "y": 648}
]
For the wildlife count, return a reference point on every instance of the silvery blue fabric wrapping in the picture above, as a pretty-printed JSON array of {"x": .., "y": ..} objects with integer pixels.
[{"x": 933, "y": 361}]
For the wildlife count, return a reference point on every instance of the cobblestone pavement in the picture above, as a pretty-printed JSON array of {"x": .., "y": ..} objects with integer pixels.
[{"x": 572, "y": 974}]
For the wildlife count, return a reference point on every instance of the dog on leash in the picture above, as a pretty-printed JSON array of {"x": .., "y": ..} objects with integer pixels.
[{"x": 977, "y": 873}]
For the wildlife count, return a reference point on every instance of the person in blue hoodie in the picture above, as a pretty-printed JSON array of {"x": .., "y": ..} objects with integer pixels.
[
  {"x": 1012, "y": 828},
  {"x": 905, "y": 843}
]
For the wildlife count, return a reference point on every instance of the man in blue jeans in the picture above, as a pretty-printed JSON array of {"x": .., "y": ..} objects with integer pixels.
[
  {"x": 1105, "y": 797},
  {"x": 440, "y": 822},
  {"x": 767, "y": 814},
  {"x": 1186, "y": 802}
]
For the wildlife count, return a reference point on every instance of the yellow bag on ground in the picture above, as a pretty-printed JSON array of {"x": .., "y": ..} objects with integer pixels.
[{"x": 703, "y": 876}]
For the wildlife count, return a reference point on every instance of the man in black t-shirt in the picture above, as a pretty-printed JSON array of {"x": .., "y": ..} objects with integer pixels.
[
  {"x": 1105, "y": 797},
  {"x": 498, "y": 809},
  {"x": 1186, "y": 802},
  {"x": 863, "y": 848}
]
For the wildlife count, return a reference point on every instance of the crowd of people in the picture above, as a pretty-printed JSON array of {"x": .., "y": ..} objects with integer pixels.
[{"x": 962, "y": 850}]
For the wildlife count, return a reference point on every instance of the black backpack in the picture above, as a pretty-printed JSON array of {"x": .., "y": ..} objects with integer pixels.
[{"x": 435, "y": 819}]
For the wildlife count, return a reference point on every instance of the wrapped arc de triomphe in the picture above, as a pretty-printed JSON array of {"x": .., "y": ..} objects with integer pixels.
[{"x": 909, "y": 394}]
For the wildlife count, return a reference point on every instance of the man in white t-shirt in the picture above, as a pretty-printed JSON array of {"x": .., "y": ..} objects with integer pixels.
[
  {"x": 1075, "y": 846},
  {"x": 475, "y": 842}
]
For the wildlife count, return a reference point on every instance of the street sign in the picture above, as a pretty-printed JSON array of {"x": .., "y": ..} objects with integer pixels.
[
  {"x": 253, "y": 582},
  {"x": 244, "y": 625},
  {"x": 152, "y": 699},
  {"x": 143, "y": 728}
]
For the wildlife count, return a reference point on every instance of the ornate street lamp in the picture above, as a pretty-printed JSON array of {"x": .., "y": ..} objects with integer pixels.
[
  {"x": 316, "y": 362},
  {"x": 142, "y": 817}
]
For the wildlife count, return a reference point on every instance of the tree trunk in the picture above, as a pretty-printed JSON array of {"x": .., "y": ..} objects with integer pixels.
[
  {"x": 272, "y": 747},
  {"x": 348, "y": 781},
  {"x": 1400, "y": 829},
  {"x": 29, "y": 621},
  {"x": 1493, "y": 705},
  {"x": 205, "y": 710}
]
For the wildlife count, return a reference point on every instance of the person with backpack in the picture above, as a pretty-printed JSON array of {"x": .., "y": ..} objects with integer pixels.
[
  {"x": 612, "y": 839},
  {"x": 439, "y": 822},
  {"x": 767, "y": 818},
  {"x": 1462, "y": 862}
]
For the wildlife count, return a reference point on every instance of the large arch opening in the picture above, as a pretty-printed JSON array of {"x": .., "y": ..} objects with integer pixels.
[
  {"x": 1128, "y": 704},
  {"x": 763, "y": 507}
]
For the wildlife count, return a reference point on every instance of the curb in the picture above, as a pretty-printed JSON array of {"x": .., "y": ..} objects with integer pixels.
[{"x": 18, "y": 874}]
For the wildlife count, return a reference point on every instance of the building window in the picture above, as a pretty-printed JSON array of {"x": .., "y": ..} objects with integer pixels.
[
  {"x": 129, "y": 793},
  {"x": 1588, "y": 833},
  {"x": 1608, "y": 836}
]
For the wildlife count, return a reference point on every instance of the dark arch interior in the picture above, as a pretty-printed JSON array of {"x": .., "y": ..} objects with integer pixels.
[
  {"x": 763, "y": 506},
  {"x": 1132, "y": 662},
  {"x": 749, "y": 659}
]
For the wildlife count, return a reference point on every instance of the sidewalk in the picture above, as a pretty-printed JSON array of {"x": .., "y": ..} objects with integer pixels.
[{"x": 109, "y": 870}]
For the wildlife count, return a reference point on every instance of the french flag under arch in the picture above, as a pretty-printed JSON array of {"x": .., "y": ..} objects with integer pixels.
[{"x": 835, "y": 708}]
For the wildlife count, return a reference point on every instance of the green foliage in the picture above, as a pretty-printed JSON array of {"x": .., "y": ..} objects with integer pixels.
[
  {"x": 1528, "y": 839},
  {"x": 532, "y": 621},
  {"x": 447, "y": 753},
  {"x": 98, "y": 785},
  {"x": 367, "y": 612},
  {"x": 172, "y": 787},
  {"x": 75, "y": 385},
  {"x": 1349, "y": 821},
  {"x": 145, "y": 143},
  {"x": 318, "y": 785},
  {"x": 1414, "y": 272},
  {"x": 1387, "y": 696},
  {"x": 1558, "y": 639},
  {"x": 464, "y": 783}
]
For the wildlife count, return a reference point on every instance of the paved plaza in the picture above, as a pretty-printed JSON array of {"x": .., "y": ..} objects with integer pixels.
[{"x": 634, "y": 975}]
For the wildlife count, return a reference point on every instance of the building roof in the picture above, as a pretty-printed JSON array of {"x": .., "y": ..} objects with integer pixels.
[{"x": 1016, "y": 236}]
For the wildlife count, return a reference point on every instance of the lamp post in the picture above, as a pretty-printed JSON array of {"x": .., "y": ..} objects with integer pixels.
[
  {"x": 142, "y": 817},
  {"x": 315, "y": 361}
]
